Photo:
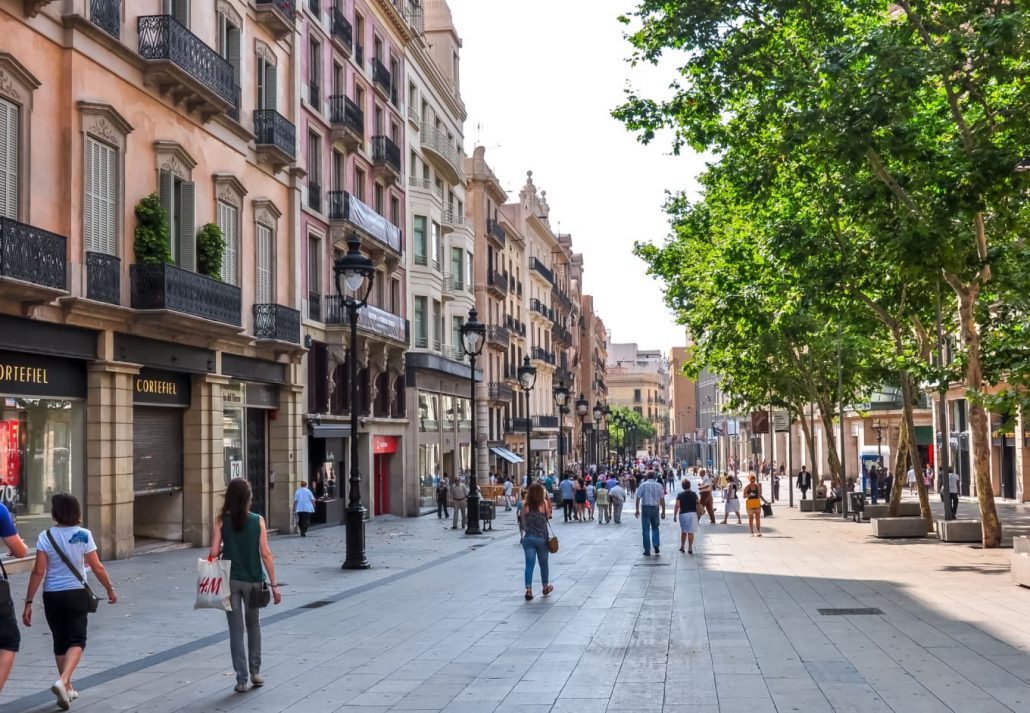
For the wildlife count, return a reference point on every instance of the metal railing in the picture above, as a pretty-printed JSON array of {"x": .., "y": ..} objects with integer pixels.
[
  {"x": 161, "y": 37},
  {"x": 545, "y": 422},
  {"x": 381, "y": 75},
  {"x": 315, "y": 196},
  {"x": 107, "y": 15},
  {"x": 103, "y": 278},
  {"x": 498, "y": 335},
  {"x": 561, "y": 334},
  {"x": 414, "y": 16},
  {"x": 343, "y": 111},
  {"x": 234, "y": 110},
  {"x": 421, "y": 342},
  {"x": 541, "y": 269},
  {"x": 370, "y": 319},
  {"x": 414, "y": 117},
  {"x": 497, "y": 280},
  {"x": 435, "y": 140},
  {"x": 541, "y": 309},
  {"x": 173, "y": 288},
  {"x": 541, "y": 354},
  {"x": 32, "y": 254},
  {"x": 423, "y": 184},
  {"x": 494, "y": 230},
  {"x": 384, "y": 150},
  {"x": 499, "y": 391},
  {"x": 273, "y": 129},
  {"x": 517, "y": 425},
  {"x": 343, "y": 31},
  {"x": 344, "y": 206},
  {"x": 286, "y": 7},
  {"x": 272, "y": 321}
]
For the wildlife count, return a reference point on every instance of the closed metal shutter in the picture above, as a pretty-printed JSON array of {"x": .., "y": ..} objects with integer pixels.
[{"x": 156, "y": 450}]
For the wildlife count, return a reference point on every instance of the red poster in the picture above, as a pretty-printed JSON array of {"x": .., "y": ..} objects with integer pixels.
[
  {"x": 384, "y": 444},
  {"x": 10, "y": 455}
]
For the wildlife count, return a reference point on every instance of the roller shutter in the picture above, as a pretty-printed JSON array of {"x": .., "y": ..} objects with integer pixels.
[{"x": 157, "y": 449}]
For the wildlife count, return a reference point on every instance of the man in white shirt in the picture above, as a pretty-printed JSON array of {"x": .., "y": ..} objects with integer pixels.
[
  {"x": 954, "y": 490},
  {"x": 618, "y": 498},
  {"x": 650, "y": 496},
  {"x": 507, "y": 493},
  {"x": 910, "y": 478}
]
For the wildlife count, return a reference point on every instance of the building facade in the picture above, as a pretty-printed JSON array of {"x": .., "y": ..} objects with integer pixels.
[
  {"x": 683, "y": 409},
  {"x": 145, "y": 361},
  {"x": 639, "y": 379},
  {"x": 593, "y": 384}
]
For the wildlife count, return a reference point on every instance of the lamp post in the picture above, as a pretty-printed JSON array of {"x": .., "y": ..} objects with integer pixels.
[
  {"x": 355, "y": 272},
  {"x": 879, "y": 428},
  {"x": 582, "y": 406},
  {"x": 561, "y": 398},
  {"x": 527, "y": 380},
  {"x": 473, "y": 334},
  {"x": 607, "y": 436},
  {"x": 598, "y": 413}
]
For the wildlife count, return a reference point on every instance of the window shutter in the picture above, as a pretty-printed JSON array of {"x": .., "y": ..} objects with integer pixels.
[
  {"x": 181, "y": 11},
  {"x": 234, "y": 51},
  {"x": 270, "y": 86},
  {"x": 228, "y": 222},
  {"x": 187, "y": 229},
  {"x": 264, "y": 265},
  {"x": 109, "y": 194},
  {"x": 90, "y": 202},
  {"x": 8, "y": 159},
  {"x": 100, "y": 203}
]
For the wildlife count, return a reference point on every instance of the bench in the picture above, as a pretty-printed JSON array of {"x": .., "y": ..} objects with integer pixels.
[
  {"x": 815, "y": 505},
  {"x": 891, "y": 527},
  {"x": 856, "y": 506},
  {"x": 959, "y": 531}
]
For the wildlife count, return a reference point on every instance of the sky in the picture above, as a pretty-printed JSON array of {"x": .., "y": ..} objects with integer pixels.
[{"x": 539, "y": 79}]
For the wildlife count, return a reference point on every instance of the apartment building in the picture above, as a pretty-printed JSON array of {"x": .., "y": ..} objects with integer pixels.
[
  {"x": 351, "y": 62},
  {"x": 593, "y": 369},
  {"x": 639, "y": 379},
  {"x": 683, "y": 409},
  {"x": 149, "y": 331},
  {"x": 440, "y": 263}
]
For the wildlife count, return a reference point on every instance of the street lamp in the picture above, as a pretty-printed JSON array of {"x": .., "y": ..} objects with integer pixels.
[
  {"x": 356, "y": 273},
  {"x": 527, "y": 380},
  {"x": 473, "y": 334},
  {"x": 582, "y": 406},
  {"x": 607, "y": 436},
  {"x": 561, "y": 398},
  {"x": 598, "y": 413}
]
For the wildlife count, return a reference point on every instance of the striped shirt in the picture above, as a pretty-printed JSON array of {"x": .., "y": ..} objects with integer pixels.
[{"x": 650, "y": 493}]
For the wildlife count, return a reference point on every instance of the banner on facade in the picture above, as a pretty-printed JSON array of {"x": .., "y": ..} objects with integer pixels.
[
  {"x": 718, "y": 428},
  {"x": 759, "y": 422},
  {"x": 544, "y": 444},
  {"x": 733, "y": 428}
]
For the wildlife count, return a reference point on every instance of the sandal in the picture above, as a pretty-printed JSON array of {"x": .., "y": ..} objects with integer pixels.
[
  {"x": 529, "y": 595},
  {"x": 548, "y": 589}
]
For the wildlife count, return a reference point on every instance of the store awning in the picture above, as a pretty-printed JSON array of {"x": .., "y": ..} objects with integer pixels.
[
  {"x": 507, "y": 455},
  {"x": 329, "y": 430}
]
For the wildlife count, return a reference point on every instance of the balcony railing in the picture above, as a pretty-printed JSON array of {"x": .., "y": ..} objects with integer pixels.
[
  {"x": 497, "y": 280},
  {"x": 315, "y": 196},
  {"x": 273, "y": 129},
  {"x": 370, "y": 319},
  {"x": 561, "y": 334},
  {"x": 315, "y": 95},
  {"x": 563, "y": 299},
  {"x": 414, "y": 16},
  {"x": 277, "y": 15},
  {"x": 344, "y": 113},
  {"x": 384, "y": 150},
  {"x": 541, "y": 269},
  {"x": 172, "y": 288},
  {"x": 436, "y": 141},
  {"x": 454, "y": 220},
  {"x": 315, "y": 306},
  {"x": 545, "y": 422},
  {"x": 344, "y": 206},
  {"x": 343, "y": 31},
  {"x": 541, "y": 309},
  {"x": 518, "y": 425},
  {"x": 161, "y": 37},
  {"x": 541, "y": 354},
  {"x": 33, "y": 255},
  {"x": 381, "y": 75},
  {"x": 495, "y": 231},
  {"x": 499, "y": 391},
  {"x": 234, "y": 110},
  {"x": 498, "y": 334},
  {"x": 103, "y": 278},
  {"x": 287, "y": 7},
  {"x": 272, "y": 321},
  {"x": 107, "y": 15}
]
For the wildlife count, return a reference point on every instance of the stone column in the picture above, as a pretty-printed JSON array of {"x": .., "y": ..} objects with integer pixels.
[
  {"x": 109, "y": 485},
  {"x": 285, "y": 434},
  {"x": 203, "y": 476}
]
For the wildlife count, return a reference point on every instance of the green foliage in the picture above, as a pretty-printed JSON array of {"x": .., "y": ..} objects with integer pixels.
[
  {"x": 210, "y": 251},
  {"x": 628, "y": 426},
  {"x": 151, "y": 244}
]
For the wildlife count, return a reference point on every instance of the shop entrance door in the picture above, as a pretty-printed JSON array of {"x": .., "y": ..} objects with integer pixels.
[
  {"x": 157, "y": 462},
  {"x": 382, "y": 485},
  {"x": 257, "y": 461},
  {"x": 1008, "y": 468}
]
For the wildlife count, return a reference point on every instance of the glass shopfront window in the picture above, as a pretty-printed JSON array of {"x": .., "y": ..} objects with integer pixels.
[
  {"x": 464, "y": 414},
  {"x": 232, "y": 443},
  {"x": 447, "y": 407},
  {"x": 428, "y": 412},
  {"x": 41, "y": 453},
  {"x": 428, "y": 473}
]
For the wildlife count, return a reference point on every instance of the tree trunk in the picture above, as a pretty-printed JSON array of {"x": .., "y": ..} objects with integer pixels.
[
  {"x": 806, "y": 428},
  {"x": 899, "y": 470},
  {"x": 913, "y": 448},
  {"x": 831, "y": 444},
  {"x": 978, "y": 425}
]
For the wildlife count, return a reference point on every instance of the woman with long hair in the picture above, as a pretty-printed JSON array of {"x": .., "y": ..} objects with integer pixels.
[
  {"x": 240, "y": 537},
  {"x": 753, "y": 500},
  {"x": 535, "y": 514}
]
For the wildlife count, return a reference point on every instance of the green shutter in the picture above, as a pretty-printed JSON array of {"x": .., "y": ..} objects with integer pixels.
[
  {"x": 166, "y": 192},
  {"x": 90, "y": 202},
  {"x": 265, "y": 293},
  {"x": 8, "y": 159},
  {"x": 187, "y": 226},
  {"x": 270, "y": 87}
]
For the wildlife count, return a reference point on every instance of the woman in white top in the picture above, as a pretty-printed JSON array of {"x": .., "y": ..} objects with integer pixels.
[{"x": 65, "y": 599}]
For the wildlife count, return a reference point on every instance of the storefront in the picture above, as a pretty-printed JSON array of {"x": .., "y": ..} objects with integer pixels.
[
  {"x": 247, "y": 408},
  {"x": 444, "y": 442},
  {"x": 42, "y": 435}
]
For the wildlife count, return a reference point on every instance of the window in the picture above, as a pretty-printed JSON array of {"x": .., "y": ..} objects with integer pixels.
[
  {"x": 228, "y": 221},
  {"x": 456, "y": 266},
  {"x": 314, "y": 171},
  {"x": 359, "y": 40},
  {"x": 377, "y": 47},
  {"x": 419, "y": 224},
  {"x": 421, "y": 325},
  {"x": 435, "y": 245},
  {"x": 395, "y": 296},
  {"x": 395, "y": 210},
  {"x": 377, "y": 198},
  {"x": 179, "y": 198},
  {"x": 640, "y": 411},
  {"x": 229, "y": 43},
  {"x": 394, "y": 77},
  {"x": 359, "y": 184},
  {"x": 314, "y": 265},
  {"x": 267, "y": 89},
  {"x": 379, "y": 121},
  {"x": 314, "y": 72},
  {"x": 437, "y": 325},
  {"x": 9, "y": 155},
  {"x": 265, "y": 263},
  {"x": 456, "y": 323},
  {"x": 100, "y": 209},
  {"x": 636, "y": 396},
  {"x": 179, "y": 10},
  {"x": 468, "y": 270},
  {"x": 339, "y": 165},
  {"x": 339, "y": 83}
]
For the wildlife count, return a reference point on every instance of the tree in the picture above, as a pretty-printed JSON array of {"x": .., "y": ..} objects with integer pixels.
[{"x": 628, "y": 428}]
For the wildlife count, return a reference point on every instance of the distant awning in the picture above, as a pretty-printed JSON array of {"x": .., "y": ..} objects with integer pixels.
[
  {"x": 507, "y": 455},
  {"x": 329, "y": 430}
]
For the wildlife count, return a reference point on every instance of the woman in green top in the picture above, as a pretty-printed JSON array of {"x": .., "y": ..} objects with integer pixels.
[{"x": 240, "y": 537}]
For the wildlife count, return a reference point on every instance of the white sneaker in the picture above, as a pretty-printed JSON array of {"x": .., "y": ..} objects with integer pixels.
[
  {"x": 63, "y": 700},
  {"x": 256, "y": 679},
  {"x": 240, "y": 687},
  {"x": 73, "y": 695}
]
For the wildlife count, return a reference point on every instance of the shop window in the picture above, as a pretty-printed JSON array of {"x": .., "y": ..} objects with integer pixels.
[
  {"x": 382, "y": 402},
  {"x": 398, "y": 409},
  {"x": 428, "y": 412}
]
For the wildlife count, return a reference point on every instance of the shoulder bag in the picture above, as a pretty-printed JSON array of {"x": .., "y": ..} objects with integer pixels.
[
  {"x": 552, "y": 541},
  {"x": 6, "y": 603},
  {"x": 260, "y": 597},
  {"x": 90, "y": 603}
]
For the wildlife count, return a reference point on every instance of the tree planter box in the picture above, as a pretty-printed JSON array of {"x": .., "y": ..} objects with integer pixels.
[
  {"x": 890, "y": 527},
  {"x": 812, "y": 505},
  {"x": 1021, "y": 561},
  {"x": 960, "y": 530},
  {"x": 906, "y": 508}
]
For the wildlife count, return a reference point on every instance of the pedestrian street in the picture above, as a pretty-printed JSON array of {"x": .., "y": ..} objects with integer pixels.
[{"x": 439, "y": 624}]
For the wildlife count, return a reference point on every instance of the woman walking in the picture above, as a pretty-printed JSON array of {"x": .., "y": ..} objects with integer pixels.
[
  {"x": 731, "y": 503},
  {"x": 240, "y": 537},
  {"x": 581, "y": 499},
  {"x": 604, "y": 508},
  {"x": 10, "y": 636},
  {"x": 591, "y": 498},
  {"x": 686, "y": 513},
  {"x": 62, "y": 553},
  {"x": 753, "y": 500},
  {"x": 535, "y": 515}
]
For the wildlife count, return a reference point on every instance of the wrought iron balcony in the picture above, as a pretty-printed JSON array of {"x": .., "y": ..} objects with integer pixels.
[
  {"x": 561, "y": 298},
  {"x": 541, "y": 269},
  {"x": 387, "y": 157},
  {"x": 414, "y": 16},
  {"x": 103, "y": 278},
  {"x": 277, "y": 323},
  {"x": 545, "y": 422},
  {"x": 345, "y": 207},
  {"x": 381, "y": 77},
  {"x": 495, "y": 231},
  {"x": 499, "y": 391},
  {"x": 180, "y": 64},
  {"x": 560, "y": 334},
  {"x": 167, "y": 287},
  {"x": 33, "y": 255},
  {"x": 347, "y": 121},
  {"x": 540, "y": 308},
  {"x": 107, "y": 15},
  {"x": 343, "y": 31},
  {"x": 541, "y": 354},
  {"x": 518, "y": 425},
  {"x": 497, "y": 335},
  {"x": 234, "y": 110},
  {"x": 276, "y": 138},
  {"x": 278, "y": 16},
  {"x": 371, "y": 320},
  {"x": 452, "y": 220},
  {"x": 497, "y": 281},
  {"x": 442, "y": 152}
]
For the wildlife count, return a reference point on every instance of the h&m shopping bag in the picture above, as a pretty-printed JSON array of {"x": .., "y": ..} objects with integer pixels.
[{"x": 213, "y": 585}]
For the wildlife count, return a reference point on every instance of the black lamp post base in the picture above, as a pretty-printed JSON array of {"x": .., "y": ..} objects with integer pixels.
[
  {"x": 354, "y": 522},
  {"x": 472, "y": 515}
]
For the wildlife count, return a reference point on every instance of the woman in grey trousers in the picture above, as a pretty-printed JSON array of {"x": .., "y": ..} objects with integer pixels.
[{"x": 240, "y": 537}]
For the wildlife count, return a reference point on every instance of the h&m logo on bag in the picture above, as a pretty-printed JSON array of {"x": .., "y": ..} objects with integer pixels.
[{"x": 209, "y": 585}]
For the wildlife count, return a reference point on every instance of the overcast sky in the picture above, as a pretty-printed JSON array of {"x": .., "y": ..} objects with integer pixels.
[{"x": 539, "y": 79}]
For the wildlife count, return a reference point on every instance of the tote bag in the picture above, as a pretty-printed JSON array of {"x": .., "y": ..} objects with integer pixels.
[{"x": 213, "y": 585}]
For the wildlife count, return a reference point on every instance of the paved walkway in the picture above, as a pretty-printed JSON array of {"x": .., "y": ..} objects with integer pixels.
[{"x": 439, "y": 624}]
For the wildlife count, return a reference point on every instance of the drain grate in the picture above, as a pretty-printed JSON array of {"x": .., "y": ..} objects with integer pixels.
[
  {"x": 870, "y": 611},
  {"x": 316, "y": 604},
  {"x": 654, "y": 564}
]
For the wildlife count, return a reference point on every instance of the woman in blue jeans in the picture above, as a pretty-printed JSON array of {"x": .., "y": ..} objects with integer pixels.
[{"x": 535, "y": 514}]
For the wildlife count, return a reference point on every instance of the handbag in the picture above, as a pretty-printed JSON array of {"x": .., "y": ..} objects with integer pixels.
[
  {"x": 766, "y": 509},
  {"x": 6, "y": 603},
  {"x": 552, "y": 541},
  {"x": 260, "y": 598},
  {"x": 89, "y": 601}
]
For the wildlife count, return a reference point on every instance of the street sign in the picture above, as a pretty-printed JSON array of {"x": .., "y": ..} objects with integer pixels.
[
  {"x": 759, "y": 422},
  {"x": 781, "y": 421}
]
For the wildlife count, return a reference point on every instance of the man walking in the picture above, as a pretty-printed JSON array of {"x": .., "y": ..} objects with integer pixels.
[
  {"x": 304, "y": 506},
  {"x": 507, "y": 493},
  {"x": 650, "y": 497},
  {"x": 442, "y": 491},
  {"x": 874, "y": 481},
  {"x": 459, "y": 496},
  {"x": 568, "y": 492},
  {"x": 954, "y": 489},
  {"x": 804, "y": 482},
  {"x": 704, "y": 491},
  {"x": 617, "y": 494}
]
